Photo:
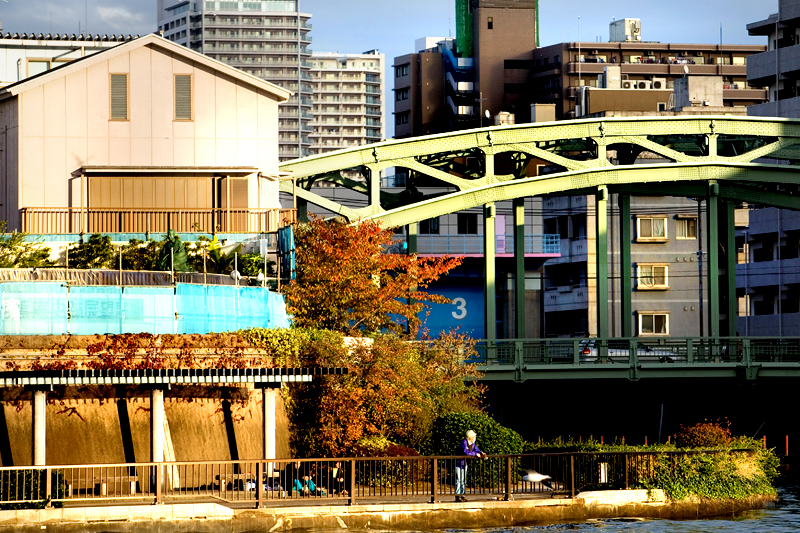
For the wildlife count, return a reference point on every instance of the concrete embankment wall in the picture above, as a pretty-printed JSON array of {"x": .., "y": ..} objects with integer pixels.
[
  {"x": 104, "y": 425},
  {"x": 422, "y": 516}
]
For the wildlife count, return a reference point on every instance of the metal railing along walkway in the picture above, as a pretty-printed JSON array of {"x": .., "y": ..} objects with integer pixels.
[{"x": 335, "y": 481}]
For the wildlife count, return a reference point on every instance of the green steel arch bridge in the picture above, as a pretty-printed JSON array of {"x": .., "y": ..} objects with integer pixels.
[{"x": 722, "y": 160}]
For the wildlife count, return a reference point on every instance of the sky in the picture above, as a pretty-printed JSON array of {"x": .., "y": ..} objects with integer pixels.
[{"x": 391, "y": 26}]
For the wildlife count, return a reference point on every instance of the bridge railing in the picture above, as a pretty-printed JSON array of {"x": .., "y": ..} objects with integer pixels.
[
  {"x": 637, "y": 350},
  {"x": 337, "y": 481}
]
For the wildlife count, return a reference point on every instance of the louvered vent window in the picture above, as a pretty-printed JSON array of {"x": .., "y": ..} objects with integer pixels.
[
  {"x": 183, "y": 97},
  {"x": 119, "y": 97}
]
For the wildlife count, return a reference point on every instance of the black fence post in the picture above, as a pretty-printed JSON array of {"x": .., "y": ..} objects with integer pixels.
[
  {"x": 48, "y": 487},
  {"x": 626, "y": 471},
  {"x": 352, "y": 499},
  {"x": 507, "y": 496},
  {"x": 259, "y": 485},
  {"x": 434, "y": 479},
  {"x": 572, "y": 474}
]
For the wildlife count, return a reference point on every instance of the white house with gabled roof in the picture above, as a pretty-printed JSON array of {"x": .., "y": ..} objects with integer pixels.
[{"x": 142, "y": 137}]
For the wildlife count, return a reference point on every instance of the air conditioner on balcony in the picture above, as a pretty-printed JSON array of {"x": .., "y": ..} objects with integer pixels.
[
  {"x": 643, "y": 85},
  {"x": 659, "y": 83},
  {"x": 628, "y": 85}
]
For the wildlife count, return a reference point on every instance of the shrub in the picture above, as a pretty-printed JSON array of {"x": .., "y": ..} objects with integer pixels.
[
  {"x": 703, "y": 435},
  {"x": 494, "y": 439}
]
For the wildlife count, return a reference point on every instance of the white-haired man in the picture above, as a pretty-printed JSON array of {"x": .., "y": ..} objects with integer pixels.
[{"x": 468, "y": 447}]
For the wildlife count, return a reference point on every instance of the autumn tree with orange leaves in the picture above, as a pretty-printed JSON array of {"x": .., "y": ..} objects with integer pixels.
[{"x": 345, "y": 282}]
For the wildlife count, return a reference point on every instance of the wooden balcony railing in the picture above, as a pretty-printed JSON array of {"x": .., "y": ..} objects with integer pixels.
[{"x": 72, "y": 220}]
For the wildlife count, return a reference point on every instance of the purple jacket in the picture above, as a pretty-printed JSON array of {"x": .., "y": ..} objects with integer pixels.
[{"x": 466, "y": 449}]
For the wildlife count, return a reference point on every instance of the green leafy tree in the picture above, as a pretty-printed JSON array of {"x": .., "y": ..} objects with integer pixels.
[
  {"x": 207, "y": 256},
  {"x": 252, "y": 264},
  {"x": 172, "y": 255},
  {"x": 345, "y": 282},
  {"x": 141, "y": 255},
  {"x": 95, "y": 252},
  {"x": 18, "y": 252}
]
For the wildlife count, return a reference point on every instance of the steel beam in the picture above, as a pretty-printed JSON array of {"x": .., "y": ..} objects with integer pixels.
[
  {"x": 712, "y": 223},
  {"x": 728, "y": 242},
  {"x": 601, "y": 225},
  {"x": 519, "y": 267},
  {"x": 626, "y": 309},
  {"x": 489, "y": 274}
]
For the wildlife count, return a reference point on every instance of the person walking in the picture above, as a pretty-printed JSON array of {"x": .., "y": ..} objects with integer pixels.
[{"x": 468, "y": 446}]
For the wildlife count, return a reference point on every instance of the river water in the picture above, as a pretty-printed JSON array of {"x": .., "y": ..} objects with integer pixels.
[{"x": 783, "y": 518}]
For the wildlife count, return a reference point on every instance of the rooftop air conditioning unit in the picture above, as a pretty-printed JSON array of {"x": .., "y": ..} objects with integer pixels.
[
  {"x": 627, "y": 84},
  {"x": 643, "y": 85},
  {"x": 659, "y": 83}
]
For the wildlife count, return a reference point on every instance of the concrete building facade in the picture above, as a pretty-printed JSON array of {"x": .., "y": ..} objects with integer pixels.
[
  {"x": 268, "y": 39},
  {"x": 117, "y": 141},
  {"x": 766, "y": 278},
  {"x": 349, "y": 100}
]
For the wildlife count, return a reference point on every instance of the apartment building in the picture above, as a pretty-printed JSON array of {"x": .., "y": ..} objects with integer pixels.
[
  {"x": 268, "y": 39},
  {"x": 767, "y": 278},
  {"x": 349, "y": 100}
]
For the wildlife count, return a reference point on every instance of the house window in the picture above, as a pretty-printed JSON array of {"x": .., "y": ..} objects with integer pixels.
[
  {"x": 653, "y": 323},
  {"x": 400, "y": 71},
  {"x": 686, "y": 228},
  {"x": 467, "y": 223},
  {"x": 429, "y": 226},
  {"x": 119, "y": 97},
  {"x": 183, "y": 97},
  {"x": 401, "y": 94},
  {"x": 652, "y": 277},
  {"x": 490, "y": 23},
  {"x": 651, "y": 228},
  {"x": 401, "y": 118}
]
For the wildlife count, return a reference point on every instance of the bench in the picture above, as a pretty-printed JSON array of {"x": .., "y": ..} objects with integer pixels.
[{"x": 124, "y": 482}]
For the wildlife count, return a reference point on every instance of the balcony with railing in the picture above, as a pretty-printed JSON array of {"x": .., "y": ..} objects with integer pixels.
[{"x": 113, "y": 220}]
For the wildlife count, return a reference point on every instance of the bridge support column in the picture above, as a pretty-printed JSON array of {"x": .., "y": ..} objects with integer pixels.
[
  {"x": 489, "y": 286},
  {"x": 601, "y": 232},
  {"x": 269, "y": 393},
  {"x": 626, "y": 310},
  {"x": 730, "y": 303},
  {"x": 38, "y": 427},
  {"x": 519, "y": 268},
  {"x": 712, "y": 223},
  {"x": 156, "y": 425}
]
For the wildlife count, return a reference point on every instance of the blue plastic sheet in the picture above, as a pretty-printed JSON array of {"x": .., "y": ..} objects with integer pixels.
[{"x": 44, "y": 308}]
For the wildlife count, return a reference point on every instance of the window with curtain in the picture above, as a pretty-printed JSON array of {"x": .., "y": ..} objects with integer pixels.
[
  {"x": 653, "y": 323},
  {"x": 652, "y": 228},
  {"x": 686, "y": 228},
  {"x": 652, "y": 276}
]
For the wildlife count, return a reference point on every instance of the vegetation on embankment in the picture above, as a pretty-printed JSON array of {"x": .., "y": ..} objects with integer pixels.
[{"x": 725, "y": 467}]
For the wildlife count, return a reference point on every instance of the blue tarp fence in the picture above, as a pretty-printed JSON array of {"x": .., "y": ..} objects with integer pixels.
[{"x": 53, "y": 308}]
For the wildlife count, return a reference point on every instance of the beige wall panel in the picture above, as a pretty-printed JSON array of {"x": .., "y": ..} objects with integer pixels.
[
  {"x": 55, "y": 104},
  {"x": 204, "y": 152},
  {"x": 119, "y": 64},
  {"x": 119, "y": 150},
  {"x": 32, "y": 114},
  {"x": 163, "y": 152},
  {"x": 144, "y": 193},
  {"x": 198, "y": 430},
  {"x": 76, "y": 109},
  {"x": 181, "y": 65},
  {"x": 141, "y": 152},
  {"x": 97, "y": 82},
  {"x": 126, "y": 191},
  {"x": 55, "y": 173},
  {"x": 183, "y": 129},
  {"x": 162, "y": 96},
  {"x": 76, "y": 153},
  {"x": 225, "y": 96},
  {"x": 204, "y": 94},
  {"x": 267, "y": 117},
  {"x": 98, "y": 151},
  {"x": 32, "y": 165},
  {"x": 247, "y": 155},
  {"x": 141, "y": 93},
  {"x": 184, "y": 152},
  {"x": 268, "y": 155},
  {"x": 119, "y": 129},
  {"x": 246, "y": 112},
  {"x": 170, "y": 198},
  {"x": 159, "y": 193},
  {"x": 226, "y": 152}
]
